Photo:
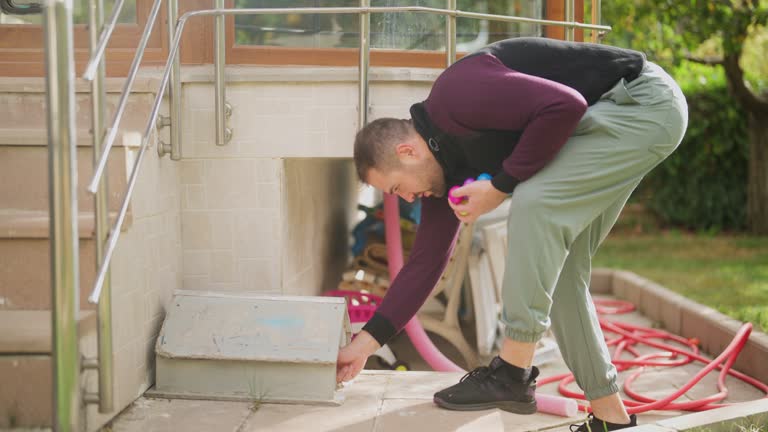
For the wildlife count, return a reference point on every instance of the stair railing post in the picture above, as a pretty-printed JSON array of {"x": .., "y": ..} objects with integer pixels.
[
  {"x": 62, "y": 185},
  {"x": 101, "y": 217}
]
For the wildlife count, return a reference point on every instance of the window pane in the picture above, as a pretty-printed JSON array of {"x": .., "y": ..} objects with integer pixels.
[
  {"x": 399, "y": 30},
  {"x": 472, "y": 34},
  {"x": 408, "y": 31},
  {"x": 296, "y": 30},
  {"x": 79, "y": 14}
]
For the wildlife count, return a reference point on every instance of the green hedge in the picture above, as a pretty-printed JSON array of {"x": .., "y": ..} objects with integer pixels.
[{"x": 702, "y": 185}]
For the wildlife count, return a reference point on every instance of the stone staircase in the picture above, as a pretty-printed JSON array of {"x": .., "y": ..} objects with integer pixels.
[
  {"x": 25, "y": 365},
  {"x": 269, "y": 213},
  {"x": 25, "y": 286}
]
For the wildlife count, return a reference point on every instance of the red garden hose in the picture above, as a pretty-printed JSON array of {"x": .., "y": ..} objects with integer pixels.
[{"x": 685, "y": 351}]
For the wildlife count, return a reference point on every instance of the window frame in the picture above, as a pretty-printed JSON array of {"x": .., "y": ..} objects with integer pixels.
[
  {"x": 22, "y": 53},
  {"x": 21, "y": 46},
  {"x": 278, "y": 56}
]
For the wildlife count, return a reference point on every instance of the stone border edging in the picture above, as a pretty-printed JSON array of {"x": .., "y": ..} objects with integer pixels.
[{"x": 689, "y": 319}]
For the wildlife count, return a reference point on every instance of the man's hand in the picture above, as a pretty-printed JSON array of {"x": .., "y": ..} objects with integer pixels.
[
  {"x": 353, "y": 356},
  {"x": 481, "y": 196}
]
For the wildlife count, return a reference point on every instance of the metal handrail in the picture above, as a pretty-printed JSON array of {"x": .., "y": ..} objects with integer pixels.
[
  {"x": 174, "y": 95},
  {"x": 570, "y": 12},
  {"x": 364, "y": 63},
  {"x": 104, "y": 364},
  {"x": 596, "y": 18},
  {"x": 173, "y": 49},
  {"x": 220, "y": 100},
  {"x": 450, "y": 36},
  {"x": 388, "y": 9},
  {"x": 101, "y": 47},
  {"x": 132, "y": 72},
  {"x": 62, "y": 186},
  {"x": 174, "y": 91}
]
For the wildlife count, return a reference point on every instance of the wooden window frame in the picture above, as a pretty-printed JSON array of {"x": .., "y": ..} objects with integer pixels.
[
  {"x": 21, "y": 46},
  {"x": 274, "y": 56},
  {"x": 22, "y": 53},
  {"x": 555, "y": 10}
]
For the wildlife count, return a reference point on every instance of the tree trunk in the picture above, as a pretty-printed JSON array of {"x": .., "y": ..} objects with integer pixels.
[
  {"x": 757, "y": 190},
  {"x": 757, "y": 109}
]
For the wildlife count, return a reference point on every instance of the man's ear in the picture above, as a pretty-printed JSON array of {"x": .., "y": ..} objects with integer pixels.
[{"x": 405, "y": 151}]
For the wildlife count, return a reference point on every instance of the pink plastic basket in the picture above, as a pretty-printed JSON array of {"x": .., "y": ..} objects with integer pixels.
[{"x": 361, "y": 306}]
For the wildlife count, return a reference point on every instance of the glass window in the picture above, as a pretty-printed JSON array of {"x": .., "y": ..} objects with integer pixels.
[
  {"x": 79, "y": 13},
  {"x": 297, "y": 30},
  {"x": 396, "y": 31}
]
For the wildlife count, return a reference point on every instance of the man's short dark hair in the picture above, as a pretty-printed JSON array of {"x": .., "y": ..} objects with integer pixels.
[{"x": 374, "y": 144}]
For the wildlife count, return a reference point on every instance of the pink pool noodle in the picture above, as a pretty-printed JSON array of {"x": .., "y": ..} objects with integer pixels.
[
  {"x": 415, "y": 331},
  {"x": 556, "y": 405},
  {"x": 546, "y": 403}
]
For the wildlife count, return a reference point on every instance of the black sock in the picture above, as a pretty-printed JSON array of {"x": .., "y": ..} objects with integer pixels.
[
  {"x": 510, "y": 371},
  {"x": 613, "y": 426}
]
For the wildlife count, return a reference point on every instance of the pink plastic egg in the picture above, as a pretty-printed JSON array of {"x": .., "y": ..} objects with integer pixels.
[{"x": 452, "y": 198}]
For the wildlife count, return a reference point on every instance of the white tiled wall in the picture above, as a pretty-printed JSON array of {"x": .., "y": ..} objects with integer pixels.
[
  {"x": 393, "y": 99},
  {"x": 146, "y": 269},
  {"x": 230, "y": 212},
  {"x": 271, "y": 211},
  {"x": 287, "y": 120}
]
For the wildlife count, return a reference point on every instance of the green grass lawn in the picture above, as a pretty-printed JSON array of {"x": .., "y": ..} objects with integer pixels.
[{"x": 727, "y": 273}]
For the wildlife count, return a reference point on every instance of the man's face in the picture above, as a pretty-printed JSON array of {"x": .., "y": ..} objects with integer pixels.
[{"x": 415, "y": 177}]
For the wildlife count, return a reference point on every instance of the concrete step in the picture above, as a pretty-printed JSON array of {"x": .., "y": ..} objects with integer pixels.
[
  {"x": 29, "y": 331},
  {"x": 25, "y": 282},
  {"x": 25, "y": 365},
  {"x": 25, "y": 258},
  {"x": 23, "y": 122},
  {"x": 15, "y": 224},
  {"x": 25, "y": 396},
  {"x": 24, "y": 183}
]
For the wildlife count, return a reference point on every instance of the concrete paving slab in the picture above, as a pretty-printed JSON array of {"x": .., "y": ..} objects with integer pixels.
[
  {"x": 414, "y": 415},
  {"x": 393, "y": 401},
  {"x": 419, "y": 385},
  {"x": 357, "y": 414},
  {"x": 634, "y": 318},
  {"x": 368, "y": 384},
  {"x": 172, "y": 415},
  {"x": 650, "y": 428},
  {"x": 738, "y": 390}
]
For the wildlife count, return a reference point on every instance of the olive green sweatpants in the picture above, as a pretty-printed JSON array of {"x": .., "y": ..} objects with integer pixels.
[{"x": 559, "y": 217}]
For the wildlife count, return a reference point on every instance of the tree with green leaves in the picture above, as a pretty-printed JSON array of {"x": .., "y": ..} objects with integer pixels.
[
  {"x": 711, "y": 32},
  {"x": 728, "y": 23}
]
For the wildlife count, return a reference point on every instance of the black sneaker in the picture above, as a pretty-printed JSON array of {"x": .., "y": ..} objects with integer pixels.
[
  {"x": 489, "y": 387},
  {"x": 594, "y": 424}
]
